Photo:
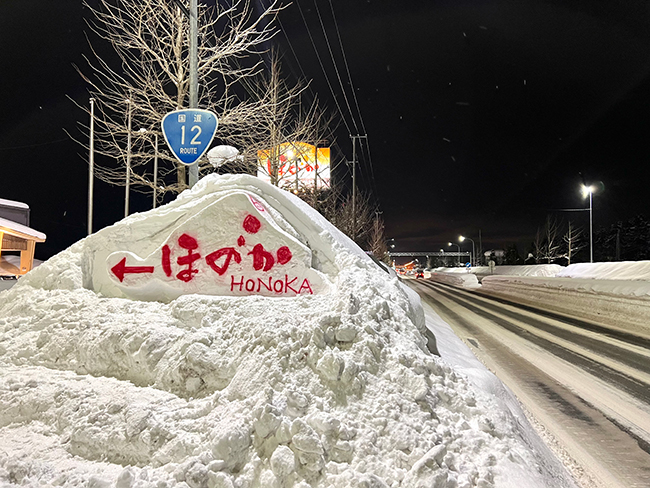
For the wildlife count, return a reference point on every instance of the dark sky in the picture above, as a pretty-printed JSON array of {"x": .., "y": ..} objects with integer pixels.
[{"x": 480, "y": 115}]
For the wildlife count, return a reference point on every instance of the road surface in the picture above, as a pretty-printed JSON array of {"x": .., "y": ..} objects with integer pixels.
[{"x": 587, "y": 388}]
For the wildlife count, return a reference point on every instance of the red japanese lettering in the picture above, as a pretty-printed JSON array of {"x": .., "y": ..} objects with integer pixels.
[
  {"x": 284, "y": 255},
  {"x": 187, "y": 242},
  {"x": 252, "y": 224},
  {"x": 229, "y": 253},
  {"x": 262, "y": 259},
  {"x": 166, "y": 260}
]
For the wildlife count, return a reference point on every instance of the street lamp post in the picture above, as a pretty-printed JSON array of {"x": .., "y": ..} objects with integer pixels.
[
  {"x": 128, "y": 159},
  {"x": 461, "y": 239},
  {"x": 452, "y": 244},
  {"x": 589, "y": 190}
]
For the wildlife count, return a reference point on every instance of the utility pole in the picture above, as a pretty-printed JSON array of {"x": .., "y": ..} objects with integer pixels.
[{"x": 354, "y": 182}]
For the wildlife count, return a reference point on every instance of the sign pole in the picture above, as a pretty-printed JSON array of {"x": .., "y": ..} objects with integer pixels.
[
  {"x": 91, "y": 167},
  {"x": 155, "y": 169},
  {"x": 194, "y": 84}
]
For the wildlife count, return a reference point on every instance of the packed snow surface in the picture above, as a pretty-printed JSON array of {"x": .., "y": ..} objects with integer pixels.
[
  {"x": 327, "y": 390},
  {"x": 624, "y": 270}
]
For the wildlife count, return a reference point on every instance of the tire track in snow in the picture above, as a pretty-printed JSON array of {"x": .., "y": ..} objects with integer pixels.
[
  {"x": 570, "y": 346},
  {"x": 605, "y": 430}
]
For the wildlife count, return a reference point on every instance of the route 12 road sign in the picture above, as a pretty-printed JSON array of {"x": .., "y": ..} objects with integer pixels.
[{"x": 189, "y": 133}]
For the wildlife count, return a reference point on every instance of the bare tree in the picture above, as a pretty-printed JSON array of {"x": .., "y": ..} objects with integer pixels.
[
  {"x": 538, "y": 246},
  {"x": 377, "y": 240},
  {"x": 573, "y": 241},
  {"x": 150, "y": 38},
  {"x": 551, "y": 242},
  {"x": 357, "y": 228}
]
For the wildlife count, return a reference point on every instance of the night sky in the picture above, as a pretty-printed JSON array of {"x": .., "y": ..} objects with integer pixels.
[{"x": 479, "y": 115}]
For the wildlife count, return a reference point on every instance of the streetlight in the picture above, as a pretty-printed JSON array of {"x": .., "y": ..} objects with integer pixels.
[
  {"x": 452, "y": 244},
  {"x": 471, "y": 259},
  {"x": 128, "y": 159},
  {"x": 589, "y": 190}
]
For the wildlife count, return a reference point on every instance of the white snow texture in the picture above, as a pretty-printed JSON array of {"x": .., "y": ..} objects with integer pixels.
[{"x": 330, "y": 390}]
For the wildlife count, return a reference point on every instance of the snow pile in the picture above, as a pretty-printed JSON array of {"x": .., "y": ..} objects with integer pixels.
[
  {"x": 615, "y": 303},
  {"x": 626, "y": 270},
  {"x": 525, "y": 270},
  {"x": 463, "y": 280},
  {"x": 326, "y": 390}
]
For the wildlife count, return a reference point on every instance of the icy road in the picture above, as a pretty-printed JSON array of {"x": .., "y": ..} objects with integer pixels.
[{"x": 587, "y": 387}]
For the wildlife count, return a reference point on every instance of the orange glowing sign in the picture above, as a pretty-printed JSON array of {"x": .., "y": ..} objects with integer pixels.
[{"x": 297, "y": 161}]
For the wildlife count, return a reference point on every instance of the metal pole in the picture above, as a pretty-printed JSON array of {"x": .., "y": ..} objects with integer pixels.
[
  {"x": 354, "y": 187},
  {"x": 128, "y": 162},
  {"x": 91, "y": 167},
  {"x": 194, "y": 84},
  {"x": 591, "y": 227},
  {"x": 155, "y": 169},
  {"x": 472, "y": 258},
  {"x": 315, "y": 175}
]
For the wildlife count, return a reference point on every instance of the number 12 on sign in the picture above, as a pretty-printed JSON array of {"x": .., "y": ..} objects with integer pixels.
[{"x": 189, "y": 133}]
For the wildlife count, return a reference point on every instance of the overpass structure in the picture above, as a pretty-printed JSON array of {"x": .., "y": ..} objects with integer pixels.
[
  {"x": 429, "y": 255},
  {"x": 437, "y": 254}
]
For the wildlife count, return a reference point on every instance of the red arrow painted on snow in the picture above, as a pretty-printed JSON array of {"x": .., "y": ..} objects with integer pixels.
[{"x": 120, "y": 269}]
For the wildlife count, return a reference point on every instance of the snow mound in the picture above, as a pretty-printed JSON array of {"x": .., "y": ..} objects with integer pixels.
[
  {"x": 626, "y": 270},
  {"x": 327, "y": 390},
  {"x": 463, "y": 280}
]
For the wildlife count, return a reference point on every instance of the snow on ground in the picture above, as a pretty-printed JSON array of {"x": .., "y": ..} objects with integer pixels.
[
  {"x": 615, "y": 294},
  {"x": 623, "y": 270},
  {"x": 461, "y": 279},
  {"x": 327, "y": 390}
]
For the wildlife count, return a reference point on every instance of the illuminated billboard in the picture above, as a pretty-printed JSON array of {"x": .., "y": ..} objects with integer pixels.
[{"x": 299, "y": 165}]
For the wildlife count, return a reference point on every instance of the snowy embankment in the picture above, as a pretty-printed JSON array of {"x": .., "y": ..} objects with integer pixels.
[
  {"x": 461, "y": 279},
  {"x": 614, "y": 294},
  {"x": 332, "y": 389},
  {"x": 470, "y": 277}
]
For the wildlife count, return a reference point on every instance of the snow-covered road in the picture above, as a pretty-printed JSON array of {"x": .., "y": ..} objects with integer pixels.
[{"x": 586, "y": 386}]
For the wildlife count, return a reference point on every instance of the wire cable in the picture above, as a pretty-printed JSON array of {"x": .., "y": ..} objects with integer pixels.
[
  {"x": 336, "y": 69},
  {"x": 320, "y": 61},
  {"x": 347, "y": 68}
]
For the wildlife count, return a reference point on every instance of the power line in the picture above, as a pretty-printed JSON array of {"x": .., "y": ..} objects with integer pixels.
[
  {"x": 347, "y": 68},
  {"x": 295, "y": 56},
  {"x": 336, "y": 69},
  {"x": 320, "y": 61},
  {"x": 343, "y": 90}
]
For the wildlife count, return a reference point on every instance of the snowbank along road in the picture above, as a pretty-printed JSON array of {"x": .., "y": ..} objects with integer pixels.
[{"x": 586, "y": 385}]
